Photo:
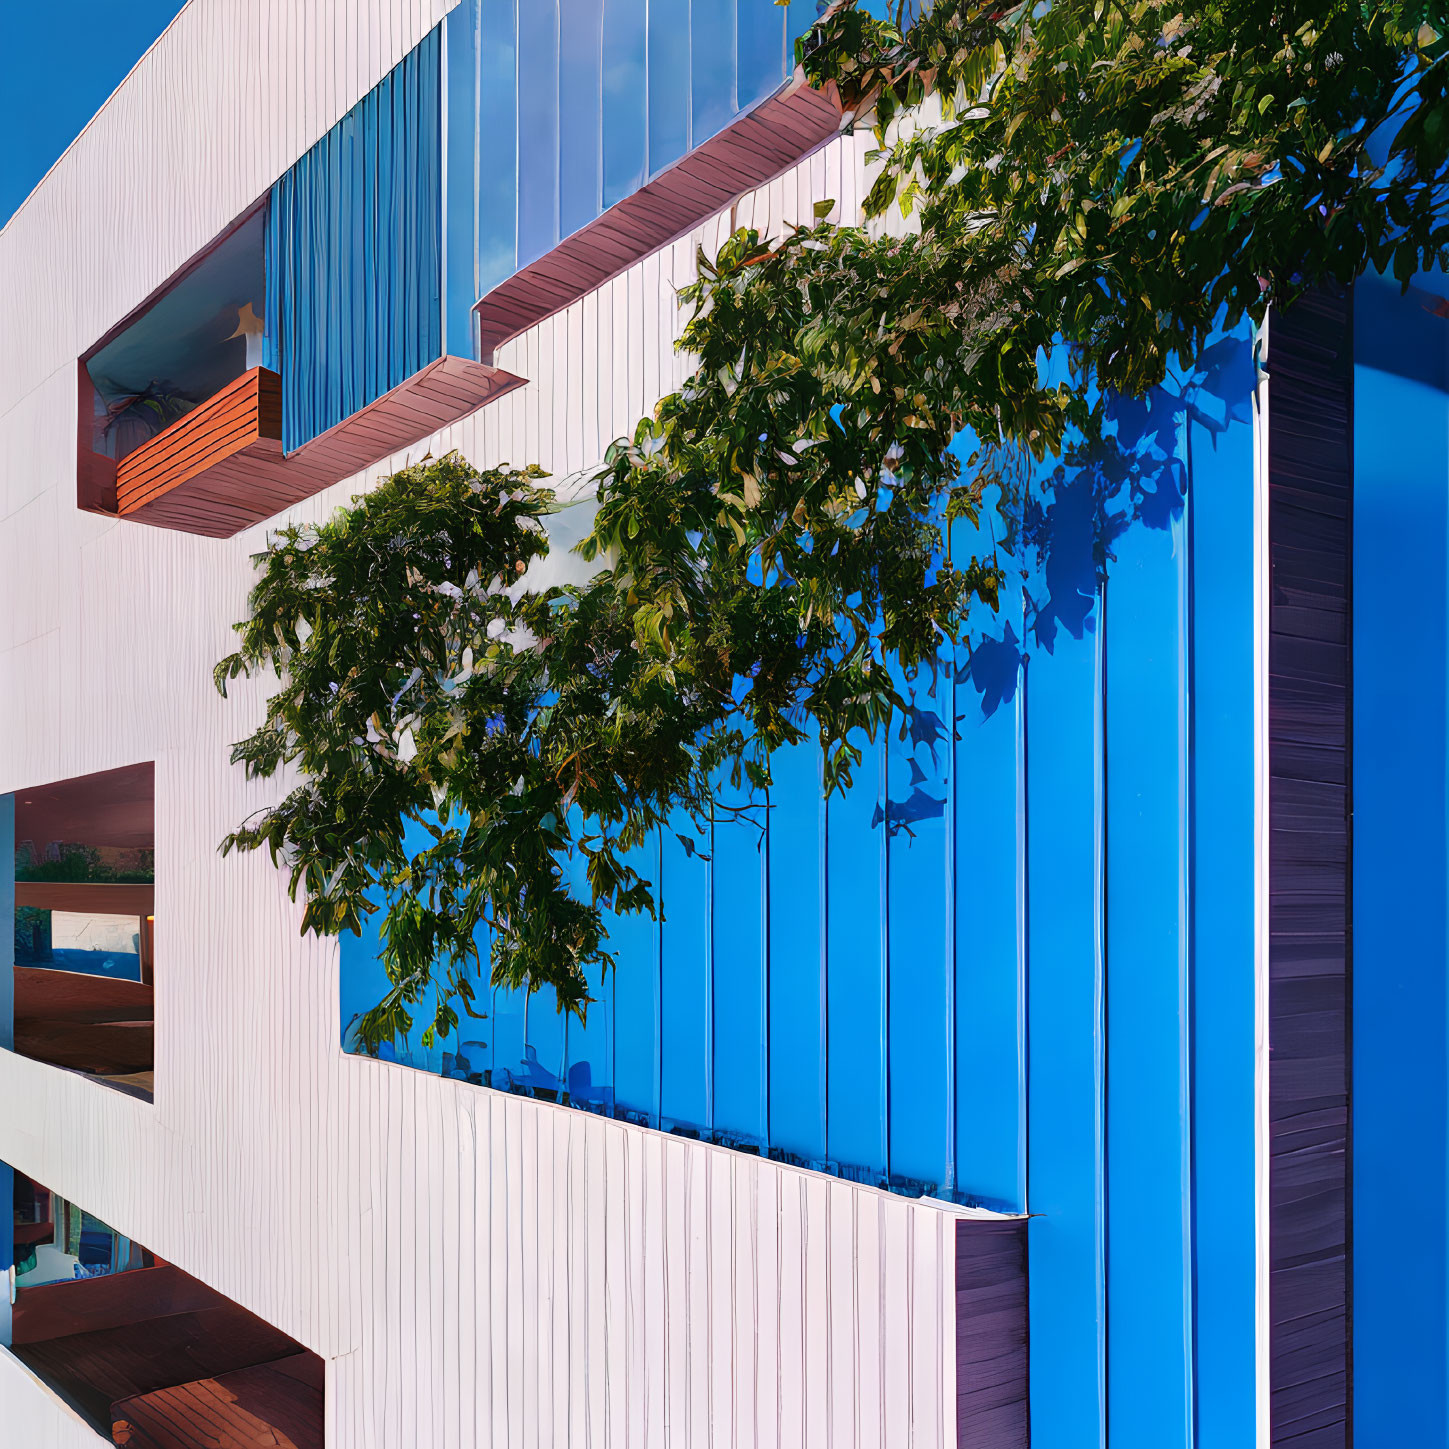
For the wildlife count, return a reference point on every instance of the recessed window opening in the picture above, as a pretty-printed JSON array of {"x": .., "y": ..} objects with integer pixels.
[
  {"x": 149, "y": 1356},
  {"x": 84, "y": 945},
  {"x": 202, "y": 332}
]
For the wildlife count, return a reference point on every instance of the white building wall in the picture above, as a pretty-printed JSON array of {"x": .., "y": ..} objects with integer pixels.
[{"x": 478, "y": 1269}]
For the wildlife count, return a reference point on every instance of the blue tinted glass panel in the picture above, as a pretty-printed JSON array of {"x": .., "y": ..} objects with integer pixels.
[
  {"x": 760, "y": 27},
  {"x": 668, "y": 82},
  {"x": 801, "y": 15},
  {"x": 988, "y": 801},
  {"x": 685, "y": 979},
  {"x": 354, "y": 241},
  {"x": 857, "y": 971},
  {"x": 1149, "y": 1269},
  {"x": 498, "y": 144},
  {"x": 634, "y": 940},
  {"x": 538, "y": 129},
  {"x": 917, "y": 801},
  {"x": 581, "y": 103},
  {"x": 741, "y": 1029},
  {"x": 460, "y": 191},
  {"x": 1064, "y": 1136},
  {"x": 797, "y": 998},
  {"x": 625, "y": 98},
  {"x": 712, "y": 46}
]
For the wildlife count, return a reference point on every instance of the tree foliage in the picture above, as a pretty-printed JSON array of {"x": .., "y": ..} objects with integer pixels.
[{"x": 774, "y": 543}]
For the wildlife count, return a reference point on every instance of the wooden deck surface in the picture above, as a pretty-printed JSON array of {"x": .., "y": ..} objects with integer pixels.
[
  {"x": 92, "y": 1371},
  {"x": 92, "y": 1024},
  {"x": 160, "y": 1361},
  {"x": 276, "y": 1405}
]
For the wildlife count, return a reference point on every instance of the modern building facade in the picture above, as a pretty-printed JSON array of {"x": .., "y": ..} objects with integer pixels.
[{"x": 1078, "y": 1078}]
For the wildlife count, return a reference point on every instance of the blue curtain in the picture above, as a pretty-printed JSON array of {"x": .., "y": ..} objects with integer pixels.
[{"x": 354, "y": 253}]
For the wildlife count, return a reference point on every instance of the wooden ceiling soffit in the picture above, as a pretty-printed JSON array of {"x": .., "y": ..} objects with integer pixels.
[{"x": 766, "y": 141}]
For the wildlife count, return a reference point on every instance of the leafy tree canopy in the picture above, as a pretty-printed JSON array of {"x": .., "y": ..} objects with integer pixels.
[{"x": 1123, "y": 180}]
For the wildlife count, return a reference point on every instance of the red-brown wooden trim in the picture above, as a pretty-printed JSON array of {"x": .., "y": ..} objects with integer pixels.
[
  {"x": 225, "y": 424},
  {"x": 221, "y": 468},
  {"x": 87, "y": 896},
  {"x": 758, "y": 146},
  {"x": 92, "y": 1305},
  {"x": 42, "y": 994},
  {"x": 95, "y": 474}
]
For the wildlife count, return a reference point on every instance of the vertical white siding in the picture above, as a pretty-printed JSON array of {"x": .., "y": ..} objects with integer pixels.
[
  {"x": 31, "y": 1417},
  {"x": 479, "y": 1269},
  {"x": 229, "y": 97}
]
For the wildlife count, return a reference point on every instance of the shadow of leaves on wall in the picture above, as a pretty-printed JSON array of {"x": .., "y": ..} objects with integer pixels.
[{"x": 1061, "y": 534}]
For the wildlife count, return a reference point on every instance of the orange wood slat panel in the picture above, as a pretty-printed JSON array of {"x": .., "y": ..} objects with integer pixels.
[
  {"x": 238, "y": 485},
  {"x": 225, "y": 424},
  {"x": 205, "y": 426}
]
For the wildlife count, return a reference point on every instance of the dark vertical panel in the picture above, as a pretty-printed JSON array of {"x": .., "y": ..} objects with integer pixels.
[
  {"x": 991, "y": 1335},
  {"x": 1400, "y": 704},
  {"x": 668, "y": 82},
  {"x": 581, "y": 109},
  {"x": 538, "y": 128},
  {"x": 1310, "y": 478},
  {"x": 625, "y": 119}
]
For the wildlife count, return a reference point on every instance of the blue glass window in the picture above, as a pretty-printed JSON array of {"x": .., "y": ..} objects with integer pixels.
[
  {"x": 498, "y": 159},
  {"x": 712, "y": 79},
  {"x": 625, "y": 98},
  {"x": 669, "y": 47},
  {"x": 581, "y": 108},
  {"x": 761, "y": 30},
  {"x": 538, "y": 129}
]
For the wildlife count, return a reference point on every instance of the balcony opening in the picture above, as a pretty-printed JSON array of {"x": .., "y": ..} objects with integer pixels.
[
  {"x": 84, "y": 943},
  {"x": 305, "y": 345},
  {"x": 149, "y": 1356},
  {"x": 203, "y": 331}
]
